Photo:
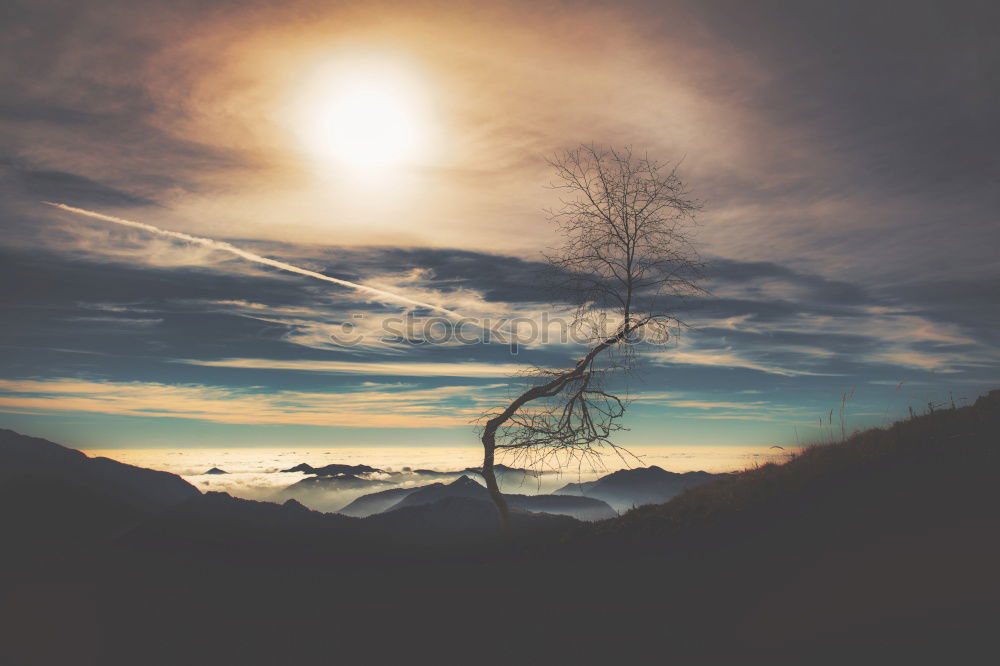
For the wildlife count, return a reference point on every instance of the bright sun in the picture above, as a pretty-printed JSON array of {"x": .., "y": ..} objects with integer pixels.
[{"x": 362, "y": 115}]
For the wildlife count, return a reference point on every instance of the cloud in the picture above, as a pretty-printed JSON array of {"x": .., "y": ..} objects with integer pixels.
[
  {"x": 127, "y": 322},
  {"x": 722, "y": 358},
  {"x": 441, "y": 407},
  {"x": 848, "y": 179},
  {"x": 710, "y": 408},
  {"x": 929, "y": 361},
  {"x": 776, "y": 319},
  {"x": 47, "y": 183},
  {"x": 382, "y": 368},
  {"x": 803, "y": 151}
]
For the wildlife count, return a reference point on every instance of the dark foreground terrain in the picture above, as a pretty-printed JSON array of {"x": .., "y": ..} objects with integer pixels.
[{"x": 881, "y": 549}]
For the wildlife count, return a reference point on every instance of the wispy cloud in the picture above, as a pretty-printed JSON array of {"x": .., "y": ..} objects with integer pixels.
[
  {"x": 934, "y": 361},
  {"x": 789, "y": 321},
  {"x": 382, "y": 368},
  {"x": 375, "y": 407},
  {"x": 132, "y": 322},
  {"x": 723, "y": 358},
  {"x": 706, "y": 408}
]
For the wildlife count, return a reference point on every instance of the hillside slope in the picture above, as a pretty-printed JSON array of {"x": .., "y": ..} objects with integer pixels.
[
  {"x": 920, "y": 469},
  {"x": 886, "y": 542},
  {"x": 23, "y": 457}
]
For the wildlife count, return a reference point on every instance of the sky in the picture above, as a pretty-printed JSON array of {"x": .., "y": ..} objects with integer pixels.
[{"x": 235, "y": 238}]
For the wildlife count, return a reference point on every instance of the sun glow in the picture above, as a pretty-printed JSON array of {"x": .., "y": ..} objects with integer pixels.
[{"x": 362, "y": 115}]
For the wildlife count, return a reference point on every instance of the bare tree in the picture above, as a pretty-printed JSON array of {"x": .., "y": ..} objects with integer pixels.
[{"x": 627, "y": 261}]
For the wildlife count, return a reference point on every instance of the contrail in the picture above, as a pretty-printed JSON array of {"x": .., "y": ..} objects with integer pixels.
[{"x": 380, "y": 294}]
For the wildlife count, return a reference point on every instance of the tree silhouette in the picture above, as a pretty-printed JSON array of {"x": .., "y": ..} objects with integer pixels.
[{"x": 627, "y": 262}]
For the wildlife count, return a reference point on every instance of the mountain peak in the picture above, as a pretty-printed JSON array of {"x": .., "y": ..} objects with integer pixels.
[
  {"x": 628, "y": 488},
  {"x": 295, "y": 505},
  {"x": 464, "y": 482},
  {"x": 301, "y": 467}
]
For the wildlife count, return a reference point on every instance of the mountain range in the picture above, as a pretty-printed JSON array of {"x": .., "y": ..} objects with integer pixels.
[
  {"x": 594, "y": 500},
  {"x": 333, "y": 469},
  {"x": 629, "y": 488},
  {"x": 878, "y": 549},
  {"x": 581, "y": 508}
]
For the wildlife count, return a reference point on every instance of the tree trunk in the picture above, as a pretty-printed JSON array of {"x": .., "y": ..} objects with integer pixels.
[
  {"x": 489, "y": 448},
  {"x": 550, "y": 388}
]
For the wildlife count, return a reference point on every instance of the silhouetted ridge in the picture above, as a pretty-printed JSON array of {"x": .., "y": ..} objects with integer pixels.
[
  {"x": 460, "y": 487},
  {"x": 499, "y": 469},
  {"x": 376, "y": 502},
  {"x": 21, "y": 456},
  {"x": 296, "y": 505},
  {"x": 334, "y": 469},
  {"x": 628, "y": 488},
  {"x": 581, "y": 508},
  {"x": 332, "y": 482},
  {"x": 461, "y": 518}
]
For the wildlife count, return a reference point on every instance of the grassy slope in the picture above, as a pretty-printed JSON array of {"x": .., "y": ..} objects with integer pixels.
[{"x": 948, "y": 450}]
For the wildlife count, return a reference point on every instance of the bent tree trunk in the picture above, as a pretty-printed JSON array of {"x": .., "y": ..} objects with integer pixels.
[
  {"x": 547, "y": 390},
  {"x": 489, "y": 449}
]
